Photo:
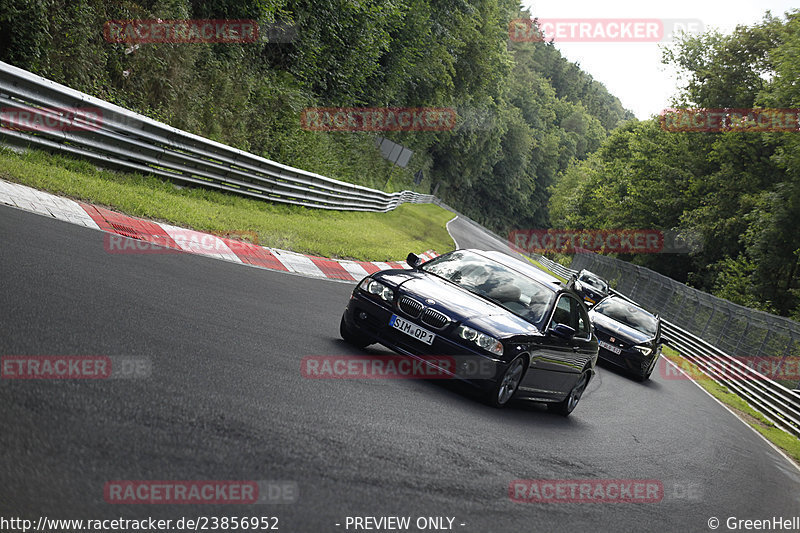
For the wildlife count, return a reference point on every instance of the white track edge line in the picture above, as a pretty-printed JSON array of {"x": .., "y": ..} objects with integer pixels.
[{"x": 447, "y": 227}]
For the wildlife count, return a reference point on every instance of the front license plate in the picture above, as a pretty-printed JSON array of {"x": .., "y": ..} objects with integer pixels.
[
  {"x": 412, "y": 330},
  {"x": 610, "y": 347}
]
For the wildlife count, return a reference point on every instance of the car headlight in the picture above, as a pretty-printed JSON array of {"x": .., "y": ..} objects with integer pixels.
[
  {"x": 488, "y": 343},
  {"x": 378, "y": 289},
  {"x": 644, "y": 350}
]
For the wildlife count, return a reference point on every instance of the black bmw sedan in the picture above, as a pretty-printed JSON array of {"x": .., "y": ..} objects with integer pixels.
[
  {"x": 531, "y": 335},
  {"x": 629, "y": 336}
]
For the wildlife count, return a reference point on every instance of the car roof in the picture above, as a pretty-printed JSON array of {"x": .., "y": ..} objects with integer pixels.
[
  {"x": 524, "y": 267},
  {"x": 585, "y": 272}
]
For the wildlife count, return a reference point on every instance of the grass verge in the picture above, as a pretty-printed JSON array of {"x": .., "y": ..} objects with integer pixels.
[
  {"x": 786, "y": 442},
  {"x": 346, "y": 235}
]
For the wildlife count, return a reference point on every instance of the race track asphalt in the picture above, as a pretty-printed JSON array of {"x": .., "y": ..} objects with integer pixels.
[{"x": 225, "y": 400}]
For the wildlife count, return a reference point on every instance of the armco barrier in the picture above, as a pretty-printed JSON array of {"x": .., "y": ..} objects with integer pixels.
[
  {"x": 734, "y": 329},
  {"x": 777, "y": 403},
  {"x": 113, "y": 137}
]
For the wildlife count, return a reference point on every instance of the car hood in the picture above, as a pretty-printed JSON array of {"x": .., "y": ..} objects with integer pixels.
[
  {"x": 618, "y": 329},
  {"x": 458, "y": 303}
]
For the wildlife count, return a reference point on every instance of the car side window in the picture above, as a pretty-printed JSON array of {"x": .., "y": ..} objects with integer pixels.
[
  {"x": 570, "y": 313},
  {"x": 563, "y": 312},
  {"x": 581, "y": 320}
]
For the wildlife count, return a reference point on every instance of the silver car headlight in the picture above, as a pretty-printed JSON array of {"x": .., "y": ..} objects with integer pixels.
[
  {"x": 488, "y": 343},
  {"x": 378, "y": 289}
]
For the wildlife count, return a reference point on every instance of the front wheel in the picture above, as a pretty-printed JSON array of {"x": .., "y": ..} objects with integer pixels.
[
  {"x": 646, "y": 371},
  {"x": 353, "y": 337},
  {"x": 508, "y": 384},
  {"x": 566, "y": 406}
]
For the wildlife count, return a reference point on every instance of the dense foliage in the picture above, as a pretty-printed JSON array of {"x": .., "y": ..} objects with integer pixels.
[
  {"x": 526, "y": 113},
  {"x": 739, "y": 190},
  {"x": 532, "y": 143}
]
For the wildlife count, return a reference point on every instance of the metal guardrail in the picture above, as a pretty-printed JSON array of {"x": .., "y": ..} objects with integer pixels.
[
  {"x": 554, "y": 267},
  {"x": 110, "y": 136},
  {"x": 734, "y": 329},
  {"x": 776, "y": 403}
]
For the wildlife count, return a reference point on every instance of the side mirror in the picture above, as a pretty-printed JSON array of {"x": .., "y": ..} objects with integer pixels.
[
  {"x": 413, "y": 260},
  {"x": 666, "y": 341},
  {"x": 563, "y": 331}
]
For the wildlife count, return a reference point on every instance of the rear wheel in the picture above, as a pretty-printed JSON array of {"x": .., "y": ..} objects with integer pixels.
[
  {"x": 353, "y": 337},
  {"x": 569, "y": 403},
  {"x": 507, "y": 385}
]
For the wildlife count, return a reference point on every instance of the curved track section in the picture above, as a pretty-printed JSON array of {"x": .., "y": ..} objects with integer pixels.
[
  {"x": 226, "y": 401},
  {"x": 467, "y": 234}
]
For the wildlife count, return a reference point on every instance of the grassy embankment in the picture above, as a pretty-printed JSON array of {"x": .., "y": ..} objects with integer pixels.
[{"x": 349, "y": 235}]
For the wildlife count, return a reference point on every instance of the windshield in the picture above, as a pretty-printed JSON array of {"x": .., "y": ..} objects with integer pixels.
[
  {"x": 510, "y": 289},
  {"x": 630, "y": 315},
  {"x": 594, "y": 282}
]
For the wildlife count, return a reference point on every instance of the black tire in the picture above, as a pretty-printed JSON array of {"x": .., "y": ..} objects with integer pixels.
[
  {"x": 503, "y": 391},
  {"x": 352, "y": 337},
  {"x": 566, "y": 406},
  {"x": 645, "y": 375}
]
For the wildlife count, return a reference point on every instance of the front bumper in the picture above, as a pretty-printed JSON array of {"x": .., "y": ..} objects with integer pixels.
[
  {"x": 628, "y": 359},
  {"x": 371, "y": 318},
  {"x": 590, "y": 298}
]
